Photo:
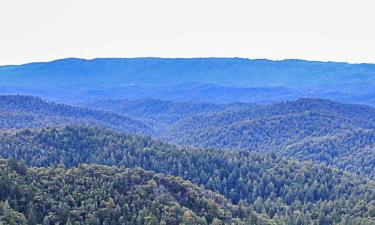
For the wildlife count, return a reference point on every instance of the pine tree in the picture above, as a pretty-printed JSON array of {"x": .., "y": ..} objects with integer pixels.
[{"x": 32, "y": 215}]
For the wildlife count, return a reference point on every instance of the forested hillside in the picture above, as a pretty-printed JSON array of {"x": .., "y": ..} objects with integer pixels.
[
  {"x": 92, "y": 194},
  {"x": 285, "y": 190},
  {"x": 27, "y": 112},
  {"x": 306, "y": 129},
  {"x": 351, "y": 150},
  {"x": 160, "y": 112}
]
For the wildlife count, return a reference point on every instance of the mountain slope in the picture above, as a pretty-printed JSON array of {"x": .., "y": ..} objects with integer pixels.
[
  {"x": 279, "y": 187},
  {"x": 154, "y": 109},
  {"x": 93, "y": 194},
  {"x": 161, "y": 113},
  {"x": 306, "y": 129},
  {"x": 351, "y": 150},
  {"x": 27, "y": 112}
]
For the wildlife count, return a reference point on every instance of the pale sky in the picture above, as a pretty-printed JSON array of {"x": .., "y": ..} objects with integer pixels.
[{"x": 327, "y": 30}]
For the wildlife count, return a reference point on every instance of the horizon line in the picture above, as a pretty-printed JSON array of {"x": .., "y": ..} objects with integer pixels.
[{"x": 214, "y": 57}]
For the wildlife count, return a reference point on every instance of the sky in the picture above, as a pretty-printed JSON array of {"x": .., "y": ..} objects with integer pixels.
[{"x": 325, "y": 30}]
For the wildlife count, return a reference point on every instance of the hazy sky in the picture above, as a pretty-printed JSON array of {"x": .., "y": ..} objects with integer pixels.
[{"x": 42, "y": 30}]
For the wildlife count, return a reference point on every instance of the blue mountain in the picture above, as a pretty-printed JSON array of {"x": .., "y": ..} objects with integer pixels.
[{"x": 204, "y": 79}]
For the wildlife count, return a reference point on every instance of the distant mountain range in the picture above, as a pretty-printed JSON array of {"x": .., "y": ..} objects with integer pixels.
[
  {"x": 107, "y": 72},
  {"x": 219, "y": 80}
]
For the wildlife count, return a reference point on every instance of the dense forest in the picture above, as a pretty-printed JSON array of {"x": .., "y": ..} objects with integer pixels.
[
  {"x": 26, "y": 112},
  {"x": 282, "y": 189},
  {"x": 309, "y": 161},
  {"x": 351, "y": 150},
  {"x": 306, "y": 129},
  {"x": 339, "y": 135},
  {"x": 92, "y": 194},
  {"x": 162, "y": 115},
  {"x": 156, "y": 110}
]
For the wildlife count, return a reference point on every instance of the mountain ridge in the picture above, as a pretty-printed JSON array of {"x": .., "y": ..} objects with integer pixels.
[
  {"x": 196, "y": 69},
  {"x": 187, "y": 58},
  {"x": 18, "y": 111},
  {"x": 229, "y": 79}
]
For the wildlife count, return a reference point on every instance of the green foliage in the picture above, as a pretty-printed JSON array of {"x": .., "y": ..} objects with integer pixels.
[
  {"x": 92, "y": 194},
  {"x": 338, "y": 135},
  {"x": 10, "y": 216},
  {"x": 277, "y": 187},
  {"x": 18, "y": 166},
  {"x": 262, "y": 186}
]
